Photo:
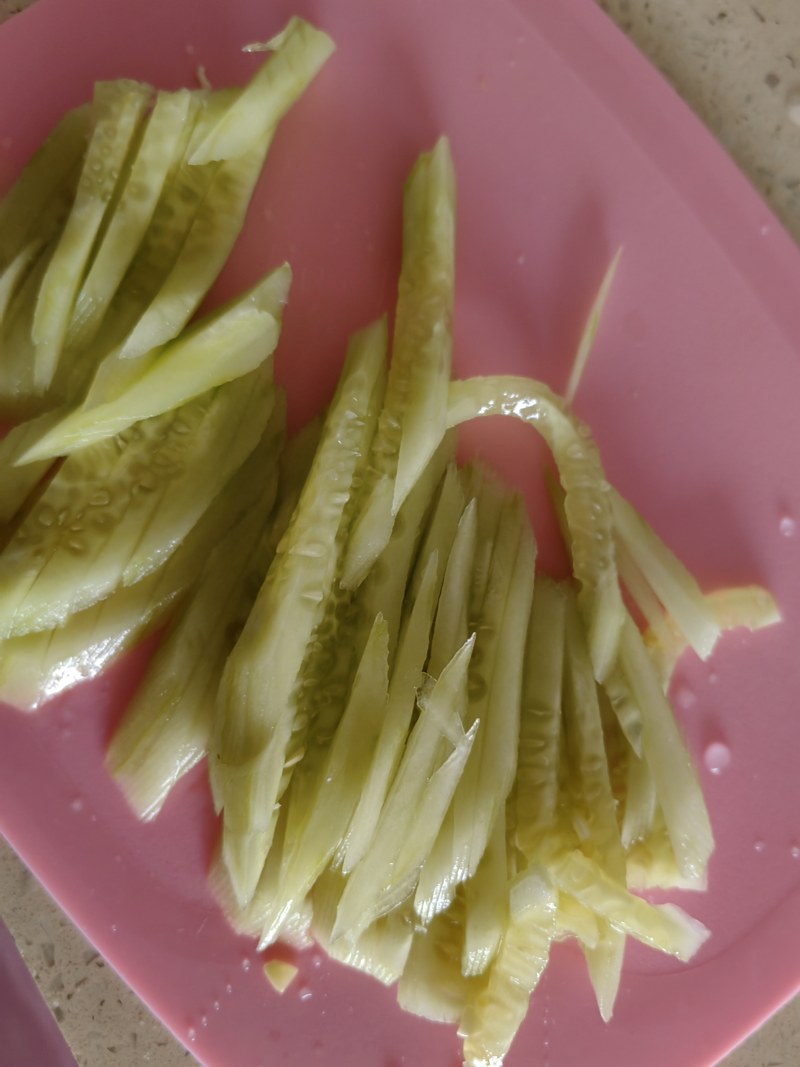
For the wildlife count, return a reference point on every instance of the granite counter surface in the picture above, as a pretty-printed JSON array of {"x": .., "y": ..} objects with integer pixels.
[{"x": 737, "y": 64}]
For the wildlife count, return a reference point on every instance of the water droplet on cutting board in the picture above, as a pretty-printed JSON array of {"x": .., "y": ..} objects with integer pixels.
[
  {"x": 794, "y": 852},
  {"x": 246, "y": 964},
  {"x": 717, "y": 757},
  {"x": 304, "y": 993},
  {"x": 191, "y": 1033},
  {"x": 685, "y": 697},
  {"x": 759, "y": 846},
  {"x": 76, "y": 805},
  {"x": 787, "y": 526}
]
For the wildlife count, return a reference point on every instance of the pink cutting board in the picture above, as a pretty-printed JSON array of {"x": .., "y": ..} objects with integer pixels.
[{"x": 567, "y": 145}]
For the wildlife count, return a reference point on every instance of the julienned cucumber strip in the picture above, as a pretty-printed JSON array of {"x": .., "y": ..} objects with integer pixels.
[
  {"x": 538, "y": 756},
  {"x": 156, "y": 158},
  {"x": 432, "y": 764},
  {"x": 117, "y": 510},
  {"x": 300, "y": 51},
  {"x": 167, "y": 725},
  {"x": 593, "y": 805},
  {"x": 36, "y": 667},
  {"x": 411, "y": 425},
  {"x": 224, "y": 345},
  {"x": 587, "y": 505},
  {"x": 663, "y": 926},
  {"x": 678, "y": 790},
  {"x": 118, "y": 109},
  {"x": 407, "y": 667},
  {"x": 257, "y": 708},
  {"x": 182, "y": 194},
  {"x": 338, "y": 784},
  {"x": 670, "y": 580},
  {"x": 45, "y": 179},
  {"x": 495, "y": 1011},
  {"x": 494, "y": 682}
]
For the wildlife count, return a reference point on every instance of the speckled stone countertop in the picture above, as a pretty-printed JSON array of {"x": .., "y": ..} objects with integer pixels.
[{"x": 737, "y": 64}]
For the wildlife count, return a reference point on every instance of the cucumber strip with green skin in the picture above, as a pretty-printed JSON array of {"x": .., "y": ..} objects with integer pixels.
[
  {"x": 239, "y": 414},
  {"x": 299, "y": 52},
  {"x": 157, "y": 156},
  {"x": 538, "y": 756},
  {"x": 385, "y": 587},
  {"x": 495, "y": 680},
  {"x": 95, "y": 525},
  {"x": 225, "y": 345},
  {"x": 256, "y": 708},
  {"x": 406, "y": 676},
  {"x": 441, "y": 529},
  {"x": 486, "y": 903},
  {"x": 411, "y": 425},
  {"x": 492, "y": 1017},
  {"x": 593, "y": 805},
  {"x": 677, "y": 787},
  {"x": 328, "y": 810},
  {"x": 118, "y": 109},
  {"x": 17, "y": 350},
  {"x": 587, "y": 504},
  {"x": 214, "y": 230},
  {"x": 167, "y": 725},
  {"x": 429, "y": 771},
  {"x": 36, "y": 667},
  {"x": 183, "y": 193},
  {"x": 12, "y": 276},
  {"x": 672, "y": 583},
  {"x": 604, "y": 963},
  {"x": 44, "y": 179},
  {"x": 451, "y": 628},
  {"x": 423, "y": 337},
  {"x": 662, "y": 926}
]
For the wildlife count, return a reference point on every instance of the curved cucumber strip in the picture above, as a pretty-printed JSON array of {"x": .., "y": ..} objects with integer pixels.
[
  {"x": 299, "y": 53},
  {"x": 223, "y": 346},
  {"x": 257, "y": 704},
  {"x": 587, "y": 506}
]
